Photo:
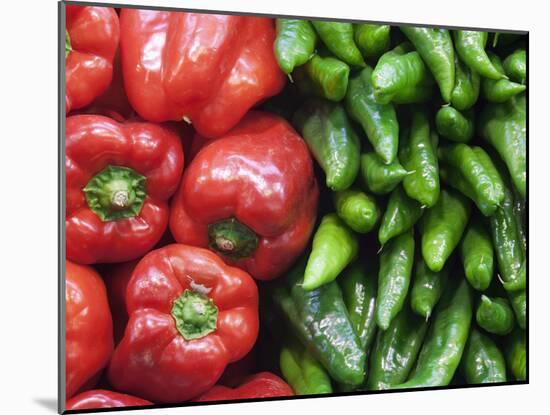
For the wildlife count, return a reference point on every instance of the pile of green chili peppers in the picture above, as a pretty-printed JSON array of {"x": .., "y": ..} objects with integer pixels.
[{"x": 417, "y": 271}]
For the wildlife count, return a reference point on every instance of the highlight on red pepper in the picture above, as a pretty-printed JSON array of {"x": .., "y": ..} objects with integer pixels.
[
  {"x": 260, "y": 385},
  {"x": 250, "y": 196},
  {"x": 190, "y": 316},
  {"x": 206, "y": 69},
  {"x": 91, "y": 41},
  {"x": 88, "y": 327},
  {"x": 100, "y": 398},
  {"x": 118, "y": 180}
]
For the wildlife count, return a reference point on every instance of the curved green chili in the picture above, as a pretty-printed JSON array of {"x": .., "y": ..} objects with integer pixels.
[
  {"x": 417, "y": 154},
  {"x": 476, "y": 251},
  {"x": 319, "y": 319},
  {"x": 501, "y": 90},
  {"x": 467, "y": 84},
  {"x": 495, "y": 315},
  {"x": 436, "y": 48},
  {"x": 357, "y": 209},
  {"x": 401, "y": 214},
  {"x": 334, "y": 247},
  {"x": 323, "y": 77},
  {"x": 372, "y": 39},
  {"x": 442, "y": 227},
  {"x": 399, "y": 69},
  {"x": 482, "y": 361},
  {"x": 454, "y": 125},
  {"x": 295, "y": 43},
  {"x": 504, "y": 126},
  {"x": 359, "y": 286},
  {"x": 470, "y": 46},
  {"x": 338, "y": 38},
  {"x": 427, "y": 288},
  {"x": 444, "y": 344},
  {"x": 379, "y": 121},
  {"x": 302, "y": 371},
  {"x": 396, "y": 261},
  {"x": 378, "y": 177},
  {"x": 396, "y": 350},
  {"x": 515, "y": 66},
  {"x": 478, "y": 170},
  {"x": 332, "y": 141}
]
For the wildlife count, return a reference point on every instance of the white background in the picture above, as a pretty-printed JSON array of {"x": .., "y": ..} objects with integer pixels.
[{"x": 28, "y": 203}]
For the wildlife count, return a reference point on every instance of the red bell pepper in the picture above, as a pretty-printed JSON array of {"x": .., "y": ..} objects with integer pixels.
[
  {"x": 92, "y": 38},
  {"x": 118, "y": 180},
  {"x": 190, "y": 315},
  {"x": 205, "y": 68},
  {"x": 260, "y": 385},
  {"x": 97, "y": 399},
  {"x": 89, "y": 328},
  {"x": 251, "y": 196}
]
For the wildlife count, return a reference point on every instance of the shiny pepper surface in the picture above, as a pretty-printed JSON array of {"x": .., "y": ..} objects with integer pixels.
[
  {"x": 205, "y": 68},
  {"x": 118, "y": 180},
  {"x": 91, "y": 42},
  {"x": 251, "y": 196},
  {"x": 190, "y": 316}
]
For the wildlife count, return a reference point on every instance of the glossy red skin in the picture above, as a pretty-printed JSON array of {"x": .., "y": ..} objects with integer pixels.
[
  {"x": 94, "y": 33},
  {"x": 89, "y": 327},
  {"x": 261, "y": 173},
  {"x": 260, "y": 385},
  {"x": 96, "y": 399},
  {"x": 112, "y": 103},
  {"x": 92, "y": 143},
  {"x": 153, "y": 360},
  {"x": 208, "y": 68}
]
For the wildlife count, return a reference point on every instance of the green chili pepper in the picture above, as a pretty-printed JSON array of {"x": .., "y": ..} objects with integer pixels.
[
  {"x": 394, "y": 277},
  {"x": 520, "y": 282},
  {"x": 445, "y": 341},
  {"x": 476, "y": 251},
  {"x": 482, "y": 361},
  {"x": 320, "y": 321},
  {"x": 372, "y": 39},
  {"x": 332, "y": 141},
  {"x": 495, "y": 315},
  {"x": 470, "y": 46},
  {"x": 455, "y": 179},
  {"x": 518, "y": 299},
  {"x": 295, "y": 43},
  {"x": 378, "y": 177},
  {"x": 379, "y": 121},
  {"x": 501, "y": 90},
  {"x": 504, "y": 127},
  {"x": 357, "y": 209},
  {"x": 521, "y": 224},
  {"x": 396, "y": 350},
  {"x": 515, "y": 66},
  {"x": 399, "y": 69},
  {"x": 359, "y": 287},
  {"x": 435, "y": 46},
  {"x": 454, "y": 125},
  {"x": 302, "y": 371},
  {"x": 478, "y": 170},
  {"x": 338, "y": 38},
  {"x": 323, "y": 77},
  {"x": 401, "y": 214},
  {"x": 427, "y": 288},
  {"x": 466, "y": 90},
  {"x": 334, "y": 247},
  {"x": 418, "y": 156},
  {"x": 506, "y": 240},
  {"x": 516, "y": 354},
  {"x": 442, "y": 227},
  {"x": 415, "y": 94}
]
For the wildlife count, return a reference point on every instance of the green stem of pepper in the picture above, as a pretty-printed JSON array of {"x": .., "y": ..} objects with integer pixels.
[{"x": 232, "y": 238}]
